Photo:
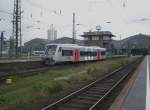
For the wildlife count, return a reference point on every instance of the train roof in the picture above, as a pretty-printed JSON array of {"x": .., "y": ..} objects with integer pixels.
[
  {"x": 75, "y": 45},
  {"x": 63, "y": 44}
]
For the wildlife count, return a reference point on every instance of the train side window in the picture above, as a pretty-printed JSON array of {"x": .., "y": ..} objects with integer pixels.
[
  {"x": 86, "y": 53},
  {"x": 93, "y": 53},
  {"x": 67, "y": 53},
  {"x": 82, "y": 53},
  {"x": 89, "y": 53}
]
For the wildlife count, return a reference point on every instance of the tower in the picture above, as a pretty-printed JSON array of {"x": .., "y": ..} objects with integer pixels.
[
  {"x": 52, "y": 33},
  {"x": 16, "y": 39}
]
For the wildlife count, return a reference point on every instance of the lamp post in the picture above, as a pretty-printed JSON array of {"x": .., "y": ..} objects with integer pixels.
[
  {"x": 73, "y": 29},
  {"x": 2, "y": 41},
  {"x": 120, "y": 45}
]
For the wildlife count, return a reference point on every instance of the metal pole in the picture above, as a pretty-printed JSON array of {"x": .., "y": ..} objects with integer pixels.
[
  {"x": 20, "y": 29},
  {"x": 20, "y": 40},
  {"x": 12, "y": 38},
  {"x": 2, "y": 41},
  {"x": 1, "y": 45},
  {"x": 17, "y": 28},
  {"x": 73, "y": 31},
  {"x": 120, "y": 45}
]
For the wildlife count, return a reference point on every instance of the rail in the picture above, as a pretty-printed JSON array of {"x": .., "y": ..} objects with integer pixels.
[{"x": 90, "y": 96}]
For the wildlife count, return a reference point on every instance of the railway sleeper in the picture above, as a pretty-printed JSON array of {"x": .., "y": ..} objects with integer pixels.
[
  {"x": 94, "y": 95},
  {"x": 73, "y": 106},
  {"x": 87, "y": 98}
]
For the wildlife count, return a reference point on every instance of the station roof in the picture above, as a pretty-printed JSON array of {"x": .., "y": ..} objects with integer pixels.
[{"x": 97, "y": 33}]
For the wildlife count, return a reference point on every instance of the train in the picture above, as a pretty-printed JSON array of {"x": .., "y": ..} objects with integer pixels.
[
  {"x": 38, "y": 53},
  {"x": 63, "y": 53}
]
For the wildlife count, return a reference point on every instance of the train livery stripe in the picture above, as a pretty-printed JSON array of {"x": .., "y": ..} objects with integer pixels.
[
  {"x": 76, "y": 55},
  {"x": 98, "y": 55}
]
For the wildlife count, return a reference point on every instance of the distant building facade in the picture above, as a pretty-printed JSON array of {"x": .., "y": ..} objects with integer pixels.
[
  {"x": 135, "y": 45},
  {"x": 4, "y": 48},
  {"x": 99, "y": 38},
  {"x": 52, "y": 33}
]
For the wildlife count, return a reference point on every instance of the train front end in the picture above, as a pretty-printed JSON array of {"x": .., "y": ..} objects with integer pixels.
[{"x": 50, "y": 53}]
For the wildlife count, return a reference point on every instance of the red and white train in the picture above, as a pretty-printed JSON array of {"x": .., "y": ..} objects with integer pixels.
[{"x": 59, "y": 53}]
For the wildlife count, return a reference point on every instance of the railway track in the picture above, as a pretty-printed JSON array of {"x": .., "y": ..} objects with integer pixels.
[
  {"x": 92, "y": 96},
  {"x": 29, "y": 72},
  {"x": 23, "y": 73}
]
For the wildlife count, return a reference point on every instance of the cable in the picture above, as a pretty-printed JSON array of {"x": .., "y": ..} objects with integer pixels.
[
  {"x": 109, "y": 1},
  {"x": 33, "y": 4},
  {"x": 5, "y": 12},
  {"x": 57, "y": 12}
]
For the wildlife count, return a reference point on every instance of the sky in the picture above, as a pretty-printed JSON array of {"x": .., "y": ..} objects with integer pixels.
[{"x": 122, "y": 17}]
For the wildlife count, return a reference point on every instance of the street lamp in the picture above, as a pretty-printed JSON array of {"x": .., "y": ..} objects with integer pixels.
[{"x": 2, "y": 41}]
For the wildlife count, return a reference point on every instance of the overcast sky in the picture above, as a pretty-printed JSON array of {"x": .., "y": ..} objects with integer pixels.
[{"x": 125, "y": 17}]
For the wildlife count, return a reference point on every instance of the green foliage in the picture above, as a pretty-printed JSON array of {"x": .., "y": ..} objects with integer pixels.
[
  {"x": 32, "y": 89},
  {"x": 2, "y": 100},
  {"x": 56, "y": 86}
]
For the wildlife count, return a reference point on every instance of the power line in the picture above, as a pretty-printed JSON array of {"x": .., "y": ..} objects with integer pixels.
[
  {"x": 119, "y": 13},
  {"x": 5, "y": 12},
  {"x": 57, "y": 12},
  {"x": 33, "y": 4}
]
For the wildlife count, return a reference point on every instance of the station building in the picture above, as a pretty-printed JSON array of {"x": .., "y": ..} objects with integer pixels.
[
  {"x": 99, "y": 38},
  {"x": 136, "y": 45}
]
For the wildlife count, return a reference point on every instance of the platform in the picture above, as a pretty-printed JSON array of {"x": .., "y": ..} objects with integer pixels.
[{"x": 136, "y": 94}]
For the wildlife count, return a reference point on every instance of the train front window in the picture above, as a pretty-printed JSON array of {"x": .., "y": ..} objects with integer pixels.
[{"x": 51, "y": 49}]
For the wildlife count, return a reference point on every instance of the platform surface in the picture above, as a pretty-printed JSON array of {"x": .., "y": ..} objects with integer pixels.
[{"x": 138, "y": 97}]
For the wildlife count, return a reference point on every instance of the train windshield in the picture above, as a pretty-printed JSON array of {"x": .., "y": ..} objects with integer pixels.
[{"x": 51, "y": 49}]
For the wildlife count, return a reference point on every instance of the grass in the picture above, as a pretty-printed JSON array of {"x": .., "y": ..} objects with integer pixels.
[{"x": 25, "y": 91}]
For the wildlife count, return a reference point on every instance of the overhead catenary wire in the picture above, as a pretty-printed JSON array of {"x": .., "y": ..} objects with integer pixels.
[
  {"x": 5, "y": 12},
  {"x": 58, "y": 12},
  {"x": 119, "y": 13},
  {"x": 33, "y": 4},
  {"x": 41, "y": 13},
  {"x": 35, "y": 21},
  {"x": 9, "y": 13}
]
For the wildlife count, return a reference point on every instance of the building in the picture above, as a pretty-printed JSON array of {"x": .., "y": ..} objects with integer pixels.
[
  {"x": 136, "y": 45},
  {"x": 4, "y": 48},
  {"x": 99, "y": 38},
  {"x": 52, "y": 33}
]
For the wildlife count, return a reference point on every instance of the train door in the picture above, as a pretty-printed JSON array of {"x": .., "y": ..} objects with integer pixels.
[{"x": 76, "y": 55}]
